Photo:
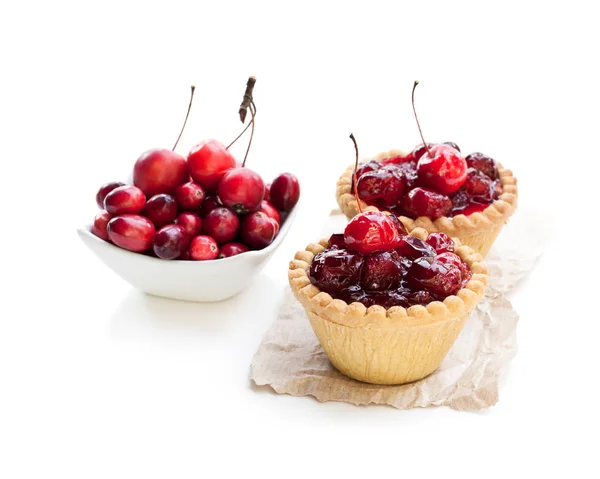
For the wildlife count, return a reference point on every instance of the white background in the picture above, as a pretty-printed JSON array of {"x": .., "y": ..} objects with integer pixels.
[{"x": 97, "y": 380}]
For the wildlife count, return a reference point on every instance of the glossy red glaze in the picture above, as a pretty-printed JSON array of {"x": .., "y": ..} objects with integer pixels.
[
  {"x": 208, "y": 161},
  {"x": 424, "y": 202},
  {"x": 159, "y": 171}
]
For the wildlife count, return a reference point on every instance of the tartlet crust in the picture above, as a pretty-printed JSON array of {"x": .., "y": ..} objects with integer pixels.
[
  {"x": 478, "y": 230},
  {"x": 386, "y": 346}
]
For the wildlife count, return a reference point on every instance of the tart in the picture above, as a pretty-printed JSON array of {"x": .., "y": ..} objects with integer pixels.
[
  {"x": 394, "y": 181},
  {"x": 394, "y": 326}
]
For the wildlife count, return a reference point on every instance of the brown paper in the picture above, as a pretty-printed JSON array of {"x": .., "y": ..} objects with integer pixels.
[{"x": 291, "y": 361}]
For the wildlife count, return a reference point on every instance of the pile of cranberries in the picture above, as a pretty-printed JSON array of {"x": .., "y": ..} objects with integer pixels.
[
  {"x": 376, "y": 263},
  {"x": 202, "y": 207},
  {"x": 433, "y": 180}
]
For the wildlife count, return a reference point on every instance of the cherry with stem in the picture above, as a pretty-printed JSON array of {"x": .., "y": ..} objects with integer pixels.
[
  {"x": 354, "y": 174},
  {"x": 417, "y": 118},
  {"x": 193, "y": 88},
  {"x": 247, "y": 104}
]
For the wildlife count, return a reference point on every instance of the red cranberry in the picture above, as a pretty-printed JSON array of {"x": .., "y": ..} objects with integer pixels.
[
  {"x": 104, "y": 190},
  {"x": 124, "y": 200},
  {"x": 189, "y": 196},
  {"x": 242, "y": 190},
  {"x": 222, "y": 224},
  {"x": 479, "y": 186},
  {"x": 371, "y": 231},
  {"x": 268, "y": 209},
  {"x": 380, "y": 272},
  {"x": 412, "y": 247},
  {"x": 191, "y": 223},
  {"x": 100, "y": 222},
  {"x": 334, "y": 270},
  {"x": 170, "y": 242},
  {"x": 336, "y": 241},
  {"x": 440, "y": 242},
  {"x": 441, "y": 279},
  {"x": 454, "y": 259},
  {"x": 483, "y": 163},
  {"x": 258, "y": 230},
  {"x": 267, "y": 195},
  {"x": 452, "y": 144},
  {"x": 232, "y": 249},
  {"x": 161, "y": 210},
  {"x": 285, "y": 192},
  {"x": 208, "y": 161},
  {"x": 209, "y": 204},
  {"x": 131, "y": 232},
  {"x": 159, "y": 171},
  {"x": 423, "y": 202},
  {"x": 444, "y": 171},
  {"x": 203, "y": 248}
]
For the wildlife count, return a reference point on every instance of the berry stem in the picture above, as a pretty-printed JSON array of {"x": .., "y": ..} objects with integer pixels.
[
  {"x": 193, "y": 87},
  {"x": 252, "y": 109},
  {"x": 416, "y": 118},
  {"x": 354, "y": 174}
]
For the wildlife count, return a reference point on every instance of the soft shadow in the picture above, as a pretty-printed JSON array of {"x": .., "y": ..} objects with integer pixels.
[{"x": 143, "y": 315}]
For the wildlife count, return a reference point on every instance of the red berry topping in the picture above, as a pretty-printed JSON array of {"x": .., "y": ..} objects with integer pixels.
[
  {"x": 483, "y": 163},
  {"x": 232, "y": 249},
  {"x": 420, "y": 150},
  {"x": 371, "y": 231},
  {"x": 285, "y": 192},
  {"x": 124, "y": 200},
  {"x": 104, "y": 190},
  {"x": 452, "y": 144},
  {"x": 380, "y": 272},
  {"x": 208, "y": 161},
  {"x": 222, "y": 224},
  {"x": 170, "y": 242},
  {"x": 412, "y": 247},
  {"x": 258, "y": 230},
  {"x": 442, "y": 168},
  {"x": 161, "y": 210},
  {"x": 189, "y": 196},
  {"x": 334, "y": 270},
  {"x": 242, "y": 190},
  {"x": 424, "y": 202},
  {"x": 480, "y": 187},
  {"x": 336, "y": 241},
  {"x": 131, "y": 232},
  {"x": 441, "y": 279},
  {"x": 159, "y": 171},
  {"x": 99, "y": 226},
  {"x": 203, "y": 248},
  {"x": 191, "y": 223},
  {"x": 268, "y": 209},
  {"x": 367, "y": 167},
  {"x": 473, "y": 208},
  {"x": 440, "y": 242},
  {"x": 451, "y": 258}
]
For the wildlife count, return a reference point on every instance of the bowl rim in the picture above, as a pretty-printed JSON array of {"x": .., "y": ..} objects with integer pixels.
[{"x": 85, "y": 230}]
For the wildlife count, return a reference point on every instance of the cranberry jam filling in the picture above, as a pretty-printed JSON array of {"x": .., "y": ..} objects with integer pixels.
[
  {"x": 433, "y": 183},
  {"x": 402, "y": 272}
]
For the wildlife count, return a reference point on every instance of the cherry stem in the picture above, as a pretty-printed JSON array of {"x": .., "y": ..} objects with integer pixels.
[
  {"x": 416, "y": 118},
  {"x": 252, "y": 109},
  {"x": 193, "y": 87},
  {"x": 354, "y": 174}
]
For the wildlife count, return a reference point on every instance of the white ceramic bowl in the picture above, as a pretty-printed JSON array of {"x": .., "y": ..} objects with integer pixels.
[{"x": 204, "y": 281}]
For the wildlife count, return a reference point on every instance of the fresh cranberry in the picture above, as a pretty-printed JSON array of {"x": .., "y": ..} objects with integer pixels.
[
  {"x": 100, "y": 222},
  {"x": 371, "y": 231},
  {"x": 170, "y": 242},
  {"x": 258, "y": 230},
  {"x": 124, "y": 200},
  {"x": 423, "y": 202},
  {"x": 185, "y": 256},
  {"x": 439, "y": 278},
  {"x": 222, "y": 224},
  {"x": 413, "y": 247},
  {"x": 209, "y": 204},
  {"x": 232, "y": 249},
  {"x": 131, "y": 232},
  {"x": 191, "y": 223},
  {"x": 479, "y": 186},
  {"x": 267, "y": 196},
  {"x": 285, "y": 192},
  {"x": 440, "y": 242},
  {"x": 189, "y": 196},
  {"x": 442, "y": 169},
  {"x": 209, "y": 160},
  {"x": 380, "y": 272},
  {"x": 454, "y": 259},
  {"x": 104, "y": 190},
  {"x": 483, "y": 163},
  {"x": 268, "y": 209},
  {"x": 159, "y": 171},
  {"x": 334, "y": 270},
  {"x": 203, "y": 248},
  {"x": 161, "y": 210},
  {"x": 242, "y": 190},
  {"x": 452, "y": 144},
  {"x": 337, "y": 241}
]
